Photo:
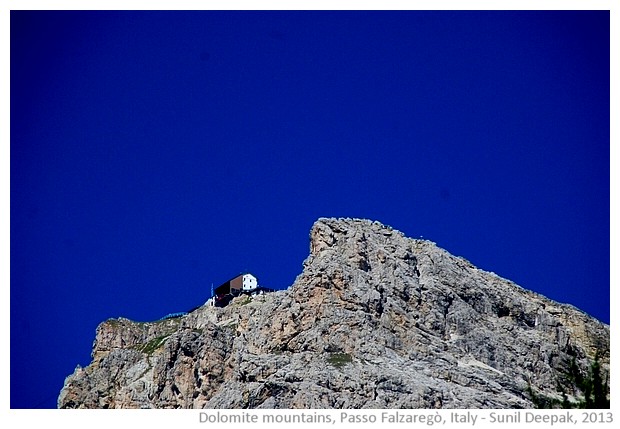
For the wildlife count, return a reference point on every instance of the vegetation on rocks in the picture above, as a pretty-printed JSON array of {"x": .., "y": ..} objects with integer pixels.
[
  {"x": 339, "y": 359},
  {"x": 152, "y": 345}
]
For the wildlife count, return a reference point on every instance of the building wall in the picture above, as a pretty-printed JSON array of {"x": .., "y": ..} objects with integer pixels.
[
  {"x": 249, "y": 282},
  {"x": 236, "y": 285}
]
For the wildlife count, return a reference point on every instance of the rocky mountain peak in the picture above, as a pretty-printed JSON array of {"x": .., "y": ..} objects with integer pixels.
[{"x": 375, "y": 320}]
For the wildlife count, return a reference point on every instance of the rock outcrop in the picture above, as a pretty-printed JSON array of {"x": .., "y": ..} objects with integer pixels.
[{"x": 375, "y": 320}]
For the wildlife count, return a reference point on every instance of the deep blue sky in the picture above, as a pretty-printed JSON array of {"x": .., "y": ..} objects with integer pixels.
[{"x": 153, "y": 153}]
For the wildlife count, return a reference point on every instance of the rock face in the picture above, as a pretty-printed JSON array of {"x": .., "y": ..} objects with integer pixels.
[{"x": 375, "y": 320}]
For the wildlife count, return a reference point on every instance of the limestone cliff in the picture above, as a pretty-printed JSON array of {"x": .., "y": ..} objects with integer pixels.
[{"x": 375, "y": 320}]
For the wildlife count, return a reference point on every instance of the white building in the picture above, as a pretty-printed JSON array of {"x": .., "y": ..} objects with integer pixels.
[{"x": 249, "y": 282}]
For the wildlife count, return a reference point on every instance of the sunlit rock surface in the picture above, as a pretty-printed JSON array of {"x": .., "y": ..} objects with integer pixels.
[{"x": 375, "y": 320}]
